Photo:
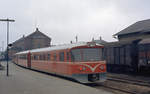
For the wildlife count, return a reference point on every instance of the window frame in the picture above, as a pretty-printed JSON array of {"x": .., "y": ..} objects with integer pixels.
[
  {"x": 54, "y": 57},
  {"x": 62, "y": 56}
]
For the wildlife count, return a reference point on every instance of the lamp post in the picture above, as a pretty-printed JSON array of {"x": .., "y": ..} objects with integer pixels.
[{"x": 7, "y": 20}]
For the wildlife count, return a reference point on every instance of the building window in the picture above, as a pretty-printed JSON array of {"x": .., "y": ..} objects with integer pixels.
[
  {"x": 39, "y": 45},
  {"x": 61, "y": 56}
]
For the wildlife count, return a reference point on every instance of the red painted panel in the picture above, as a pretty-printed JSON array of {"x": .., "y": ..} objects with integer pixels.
[
  {"x": 88, "y": 67},
  {"x": 59, "y": 67},
  {"x": 66, "y": 68},
  {"x": 22, "y": 62}
]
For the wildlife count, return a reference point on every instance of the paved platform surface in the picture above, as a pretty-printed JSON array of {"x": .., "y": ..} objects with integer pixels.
[{"x": 24, "y": 81}]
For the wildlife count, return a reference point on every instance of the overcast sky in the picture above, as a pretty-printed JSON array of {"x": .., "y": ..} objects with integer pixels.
[{"x": 62, "y": 20}]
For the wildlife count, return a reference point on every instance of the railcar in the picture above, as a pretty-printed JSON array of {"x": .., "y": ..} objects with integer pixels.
[{"x": 80, "y": 61}]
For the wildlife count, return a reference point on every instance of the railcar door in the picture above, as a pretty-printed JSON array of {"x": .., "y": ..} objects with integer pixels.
[
  {"x": 134, "y": 55},
  {"x": 29, "y": 60},
  {"x": 17, "y": 59}
]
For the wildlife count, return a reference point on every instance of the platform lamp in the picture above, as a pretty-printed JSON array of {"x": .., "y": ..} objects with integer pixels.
[{"x": 7, "y": 20}]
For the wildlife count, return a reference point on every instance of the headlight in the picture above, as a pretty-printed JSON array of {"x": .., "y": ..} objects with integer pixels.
[
  {"x": 82, "y": 68},
  {"x": 102, "y": 67}
]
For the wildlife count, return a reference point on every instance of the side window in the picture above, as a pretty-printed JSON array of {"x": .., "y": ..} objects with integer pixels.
[
  {"x": 35, "y": 57},
  {"x": 22, "y": 56},
  {"x": 67, "y": 56},
  {"x": 48, "y": 57},
  {"x": 54, "y": 57},
  {"x": 40, "y": 57},
  {"x": 61, "y": 56},
  {"x": 19, "y": 56},
  {"x": 25, "y": 56},
  {"x": 44, "y": 57}
]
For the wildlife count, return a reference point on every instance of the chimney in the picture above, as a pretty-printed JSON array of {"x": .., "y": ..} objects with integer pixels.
[
  {"x": 23, "y": 36},
  {"x": 93, "y": 39},
  {"x": 100, "y": 38},
  {"x": 37, "y": 29},
  {"x": 76, "y": 38}
]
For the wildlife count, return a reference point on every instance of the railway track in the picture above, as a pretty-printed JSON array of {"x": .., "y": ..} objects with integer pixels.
[
  {"x": 119, "y": 91},
  {"x": 125, "y": 86},
  {"x": 129, "y": 81},
  {"x": 137, "y": 78},
  {"x": 108, "y": 85}
]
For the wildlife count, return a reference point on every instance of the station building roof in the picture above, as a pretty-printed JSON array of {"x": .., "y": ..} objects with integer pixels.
[{"x": 138, "y": 27}]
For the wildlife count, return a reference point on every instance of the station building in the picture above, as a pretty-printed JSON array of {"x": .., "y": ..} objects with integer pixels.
[
  {"x": 35, "y": 40},
  {"x": 138, "y": 30},
  {"x": 99, "y": 41},
  {"x": 125, "y": 53}
]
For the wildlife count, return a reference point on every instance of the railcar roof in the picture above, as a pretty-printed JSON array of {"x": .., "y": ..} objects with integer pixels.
[{"x": 58, "y": 47}]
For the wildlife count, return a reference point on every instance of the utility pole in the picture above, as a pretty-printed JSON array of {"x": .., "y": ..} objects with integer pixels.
[
  {"x": 76, "y": 38},
  {"x": 2, "y": 46},
  {"x": 7, "y": 20}
]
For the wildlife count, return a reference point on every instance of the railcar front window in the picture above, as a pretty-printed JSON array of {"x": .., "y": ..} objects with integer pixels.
[
  {"x": 87, "y": 54},
  {"x": 61, "y": 56},
  {"x": 76, "y": 55}
]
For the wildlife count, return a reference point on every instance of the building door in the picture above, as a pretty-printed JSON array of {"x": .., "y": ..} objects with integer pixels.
[{"x": 134, "y": 55}]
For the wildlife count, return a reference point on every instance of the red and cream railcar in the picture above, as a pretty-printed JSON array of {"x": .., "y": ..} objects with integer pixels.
[{"x": 80, "y": 61}]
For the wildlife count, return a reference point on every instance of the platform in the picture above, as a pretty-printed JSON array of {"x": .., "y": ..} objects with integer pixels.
[{"x": 24, "y": 81}]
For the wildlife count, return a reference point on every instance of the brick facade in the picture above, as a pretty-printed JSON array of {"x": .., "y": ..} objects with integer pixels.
[{"x": 35, "y": 40}]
